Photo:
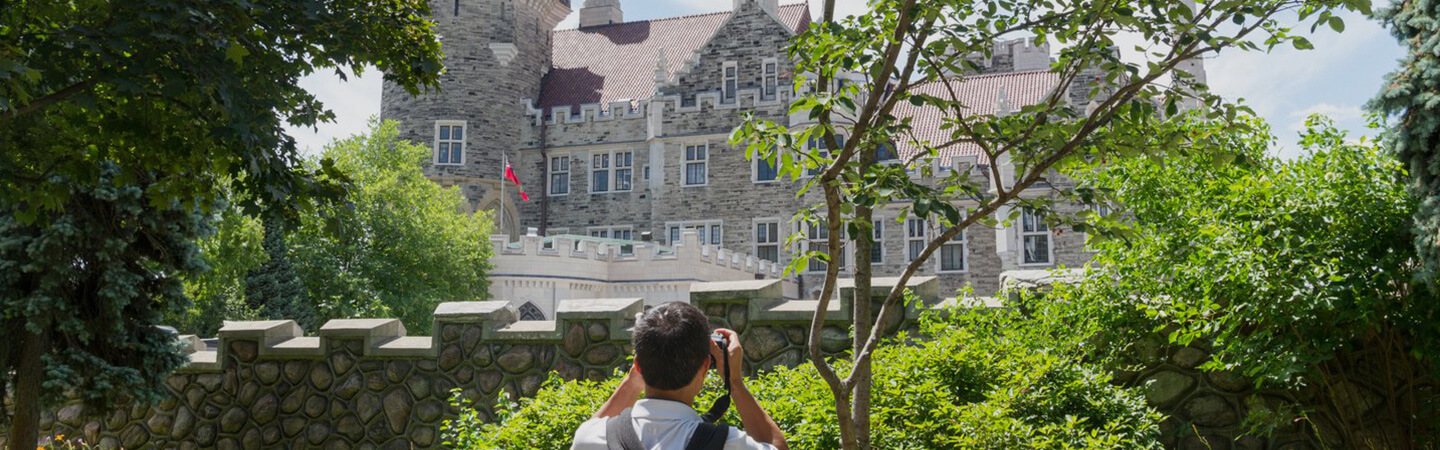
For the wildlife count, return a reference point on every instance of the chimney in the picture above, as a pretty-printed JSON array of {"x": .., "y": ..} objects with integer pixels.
[
  {"x": 600, "y": 12},
  {"x": 771, "y": 6}
]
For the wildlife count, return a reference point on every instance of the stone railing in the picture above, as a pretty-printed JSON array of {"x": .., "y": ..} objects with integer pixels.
[
  {"x": 587, "y": 250},
  {"x": 364, "y": 383}
]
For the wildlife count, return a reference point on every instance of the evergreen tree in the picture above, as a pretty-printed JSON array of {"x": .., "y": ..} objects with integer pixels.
[
  {"x": 274, "y": 288},
  {"x": 1413, "y": 93},
  {"x": 80, "y": 294}
]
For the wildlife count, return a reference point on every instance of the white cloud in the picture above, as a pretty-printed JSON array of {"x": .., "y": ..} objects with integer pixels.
[{"x": 353, "y": 102}]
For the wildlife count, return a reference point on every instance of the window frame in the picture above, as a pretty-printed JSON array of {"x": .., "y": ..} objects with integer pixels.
[
  {"x": 877, "y": 234},
  {"x": 599, "y": 172},
  {"x": 707, "y": 237},
  {"x": 755, "y": 170},
  {"x": 552, "y": 172},
  {"x": 769, "y": 78},
  {"x": 1046, "y": 233},
  {"x": 729, "y": 82},
  {"x": 686, "y": 162},
  {"x": 817, "y": 143},
  {"x": 435, "y": 143},
  {"x": 962, "y": 240},
  {"x": 613, "y": 160},
  {"x": 610, "y": 231},
  {"x": 823, "y": 240},
  {"x": 912, "y": 224},
  {"x": 774, "y": 239}
]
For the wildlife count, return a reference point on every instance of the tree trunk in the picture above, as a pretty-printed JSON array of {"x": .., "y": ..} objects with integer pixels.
[{"x": 29, "y": 373}]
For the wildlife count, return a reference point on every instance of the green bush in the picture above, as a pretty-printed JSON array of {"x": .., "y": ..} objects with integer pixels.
[
  {"x": 1298, "y": 274},
  {"x": 993, "y": 379}
]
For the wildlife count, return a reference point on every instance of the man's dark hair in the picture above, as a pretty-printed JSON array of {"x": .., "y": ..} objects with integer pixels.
[{"x": 671, "y": 343}]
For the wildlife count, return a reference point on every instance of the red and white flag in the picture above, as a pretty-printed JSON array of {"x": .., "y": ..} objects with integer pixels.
[{"x": 510, "y": 175}]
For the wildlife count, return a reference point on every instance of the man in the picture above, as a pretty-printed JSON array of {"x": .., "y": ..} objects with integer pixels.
[{"x": 673, "y": 353}]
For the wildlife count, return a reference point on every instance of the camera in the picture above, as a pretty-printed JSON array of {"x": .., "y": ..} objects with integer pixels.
[{"x": 720, "y": 341}]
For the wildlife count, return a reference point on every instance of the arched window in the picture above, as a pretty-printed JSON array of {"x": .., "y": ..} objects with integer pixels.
[{"x": 529, "y": 311}]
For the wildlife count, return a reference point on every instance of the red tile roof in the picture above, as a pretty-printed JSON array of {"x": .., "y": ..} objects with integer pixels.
[
  {"x": 982, "y": 94},
  {"x": 614, "y": 62}
]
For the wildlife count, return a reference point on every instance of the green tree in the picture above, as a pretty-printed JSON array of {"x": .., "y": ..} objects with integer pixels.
[
  {"x": 914, "y": 52},
  {"x": 81, "y": 295},
  {"x": 179, "y": 96},
  {"x": 1413, "y": 93},
  {"x": 274, "y": 288},
  {"x": 218, "y": 294},
  {"x": 1299, "y": 274},
  {"x": 399, "y": 246}
]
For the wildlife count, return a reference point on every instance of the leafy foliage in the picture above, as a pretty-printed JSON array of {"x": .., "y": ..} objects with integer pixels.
[
  {"x": 980, "y": 380},
  {"x": 399, "y": 246},
  {"x": 1290, "y": 270},
  {"x": 190, "y": 91},
  {"x": 274, "y": 288},
  {"x": 1413, "y": 93},
  {"x": 916, "y": 53},
  {"x": 218, "y": 294},
  {"x": 95, "y": 280}
]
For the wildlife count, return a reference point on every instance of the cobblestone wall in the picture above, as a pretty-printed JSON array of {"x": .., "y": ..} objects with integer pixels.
[{"x": 365, "y": 384}]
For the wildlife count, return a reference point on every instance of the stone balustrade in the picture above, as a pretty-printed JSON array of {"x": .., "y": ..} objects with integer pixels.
[{"x": 365, "y": 383}]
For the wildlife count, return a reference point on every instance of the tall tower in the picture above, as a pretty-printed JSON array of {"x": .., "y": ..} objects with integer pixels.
[
  {"x": 1194, "y": 70},
  {"x": 496, "y": 53}
]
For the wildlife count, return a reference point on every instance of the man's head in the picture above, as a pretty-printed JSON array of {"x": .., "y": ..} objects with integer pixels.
[{"x": 672, "y": 344}]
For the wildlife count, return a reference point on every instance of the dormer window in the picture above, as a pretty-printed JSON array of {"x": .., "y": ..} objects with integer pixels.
[{"x": 731, "y": 80}]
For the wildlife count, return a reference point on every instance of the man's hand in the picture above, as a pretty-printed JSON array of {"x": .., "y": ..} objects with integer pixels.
[
  {"x": 633, "y": 379},
  {"x": 735, "y": 354}
]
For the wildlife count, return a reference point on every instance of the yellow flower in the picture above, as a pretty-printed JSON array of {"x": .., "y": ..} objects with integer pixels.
[{"x": 59, "y": 437}]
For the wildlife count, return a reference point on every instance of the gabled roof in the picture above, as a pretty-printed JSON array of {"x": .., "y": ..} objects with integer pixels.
[
  {"x": 982, "y": 94},
  {"x": 609, "y": 63}
]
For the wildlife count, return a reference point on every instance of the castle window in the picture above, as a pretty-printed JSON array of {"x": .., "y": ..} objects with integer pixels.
[
  {"x": 731, "y": 79},
  {"x": 765, "y": 171},
  {"x": 696, "y": 159},
  {"x": 708, "y": 230},
  {"x": 559, "y": 175},
  {"x": 600, "y": 173},
  {"x": 612, "y": 233},
  {"x": 449, "y": 142},
  {"x": 914, "y": 238},
  {"x": 767, "y": 240},
  {"x": 817, "y": 239},
  {"x": 952, "y": 254},
  {"x": 624, "y": 170},
  {"x": 877, "y": 249},
  {"x": 529, "y": 311},
  {"x": 769, "y": 79},
  {"x": 1035, "y": 237}
]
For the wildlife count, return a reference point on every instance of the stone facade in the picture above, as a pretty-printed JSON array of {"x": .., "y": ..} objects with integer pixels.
[
  {"x": 363, "y": 383},
  {"x": 655, "y": 127}
]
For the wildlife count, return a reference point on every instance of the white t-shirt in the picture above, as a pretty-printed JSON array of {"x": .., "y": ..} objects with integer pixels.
[{"x": 661, "y": 425}]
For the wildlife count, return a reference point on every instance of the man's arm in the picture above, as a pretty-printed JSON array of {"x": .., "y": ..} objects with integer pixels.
[
  {"x": 624, "y": 397},
  {"x": 757, "y": 422}
]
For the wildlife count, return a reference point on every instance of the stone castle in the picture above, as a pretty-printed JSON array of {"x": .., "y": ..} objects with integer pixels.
[{"x": 619, "y": 130}]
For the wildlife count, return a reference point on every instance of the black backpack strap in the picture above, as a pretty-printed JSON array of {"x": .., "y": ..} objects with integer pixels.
[
  {"x": 620, "y": 433},
  {"x": 708, "y": 436}
]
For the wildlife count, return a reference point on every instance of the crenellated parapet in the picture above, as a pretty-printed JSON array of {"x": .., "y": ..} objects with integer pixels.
[
  {"x": 746, "y": 99},
  {"x": 367, "y": 383}
]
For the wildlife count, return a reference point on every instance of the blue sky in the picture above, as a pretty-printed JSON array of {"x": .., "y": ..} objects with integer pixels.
[{"x": 1284, "y": 86}]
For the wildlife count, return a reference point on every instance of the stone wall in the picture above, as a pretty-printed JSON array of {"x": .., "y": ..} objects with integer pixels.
[
  {"x": 364, "y": 383},
  {"x": 1206, "y": 409}
]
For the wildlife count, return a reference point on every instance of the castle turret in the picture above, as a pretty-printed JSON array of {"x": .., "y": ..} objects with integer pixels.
[
  {"x": 601, "y": 12},
  {"x": 496, "y": 53}
]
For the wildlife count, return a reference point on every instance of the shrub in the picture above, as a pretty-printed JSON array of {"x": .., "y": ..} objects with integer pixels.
[
  {"x": 993, "y": 379},
  {"x": 1299, "y": 274}
]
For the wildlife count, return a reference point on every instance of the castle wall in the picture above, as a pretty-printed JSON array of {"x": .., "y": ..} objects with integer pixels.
[{"x": 362, "y": 383}]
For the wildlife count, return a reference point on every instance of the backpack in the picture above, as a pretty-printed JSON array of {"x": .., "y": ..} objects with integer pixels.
[{"x": 620, "y": 435}]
